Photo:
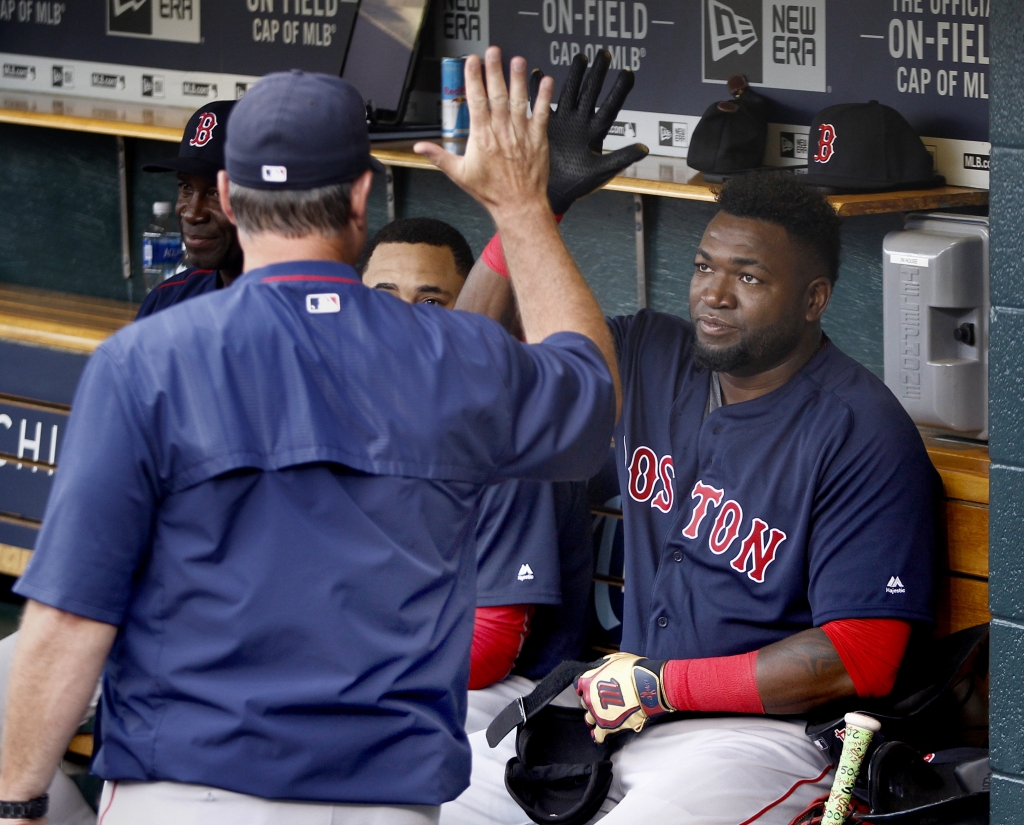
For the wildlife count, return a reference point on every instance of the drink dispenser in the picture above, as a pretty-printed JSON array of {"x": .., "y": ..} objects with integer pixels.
[{"x": 936, "y": 314}]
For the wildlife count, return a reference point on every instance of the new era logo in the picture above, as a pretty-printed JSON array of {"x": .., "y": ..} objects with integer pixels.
[
  {"x": 730, "y": 32},
  {"x": 275, "y": 174},
  {"x": 324, "y": 302},
  {"x": 895, "y": 585},
  {"x": 525, "y": 573}
]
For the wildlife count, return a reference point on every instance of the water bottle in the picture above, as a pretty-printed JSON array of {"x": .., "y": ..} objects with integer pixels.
[{"x": 161, "y": 246}]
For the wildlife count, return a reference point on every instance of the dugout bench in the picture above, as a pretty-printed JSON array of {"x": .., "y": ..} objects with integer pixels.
[{"x": 46, "y": 337}]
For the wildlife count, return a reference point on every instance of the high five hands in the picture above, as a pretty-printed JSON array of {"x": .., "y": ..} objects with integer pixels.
[
  {"x": 502, "y": 132},
  {"x": 506, "y": 162}
]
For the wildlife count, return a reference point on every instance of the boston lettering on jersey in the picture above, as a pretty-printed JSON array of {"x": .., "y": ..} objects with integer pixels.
[{"x": 763, "y": 518}]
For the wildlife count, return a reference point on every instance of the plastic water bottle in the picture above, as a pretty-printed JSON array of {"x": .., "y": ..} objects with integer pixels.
[{"x": 161, "y": 246}]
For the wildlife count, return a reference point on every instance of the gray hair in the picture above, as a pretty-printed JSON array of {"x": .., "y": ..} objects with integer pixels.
[{"x": 292, "y": 213}]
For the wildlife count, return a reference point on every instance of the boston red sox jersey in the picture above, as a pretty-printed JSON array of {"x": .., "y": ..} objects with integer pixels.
[
  {"x": 533, "y": 547},
  {"x": 812, "y": 503}
]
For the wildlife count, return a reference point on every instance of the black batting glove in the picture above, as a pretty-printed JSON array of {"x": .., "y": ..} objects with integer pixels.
[{"x": 576, "y": 132}]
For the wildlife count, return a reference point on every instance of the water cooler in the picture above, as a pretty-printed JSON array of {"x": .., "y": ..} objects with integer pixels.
[{"x": 936, "y": 317}]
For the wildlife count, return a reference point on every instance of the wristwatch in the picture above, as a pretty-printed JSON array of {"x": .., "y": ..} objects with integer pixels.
[{"x": 32, "y": 809}]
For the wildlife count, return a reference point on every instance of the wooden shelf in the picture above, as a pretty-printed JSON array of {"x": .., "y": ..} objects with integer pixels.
[
  {"x": 659, "y": 176},
  {"x": 59, "y": 320},
  {"x": 672, "y": 178}
]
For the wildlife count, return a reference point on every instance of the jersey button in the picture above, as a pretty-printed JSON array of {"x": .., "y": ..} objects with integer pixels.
[
  {"x": 677, "y": 556},
  {"x": 662, "y": 621}
]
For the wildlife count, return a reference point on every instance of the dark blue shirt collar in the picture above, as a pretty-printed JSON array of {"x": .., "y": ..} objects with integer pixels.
[{"x": 301, "y": 270}]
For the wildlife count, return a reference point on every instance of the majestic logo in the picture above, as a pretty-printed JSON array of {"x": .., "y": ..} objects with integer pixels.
[
  {"x": 730, "y": 33},
  {"x": 204, "y": 130},
  {"x": 525, "y": 573},
  {"x": 646, "y": 470},
  {"x": 895, "y": 585},
  {"x": 323, "y": 303},
  {"x": 826, "y": 143},
  {"x": 610, "y": 693},
  {"x": 757, "y": 550}
]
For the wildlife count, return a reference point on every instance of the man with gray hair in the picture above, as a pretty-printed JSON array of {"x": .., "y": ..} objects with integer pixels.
[{"x": 285, "y": 589}]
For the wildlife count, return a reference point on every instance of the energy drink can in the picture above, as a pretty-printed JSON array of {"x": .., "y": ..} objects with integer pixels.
[{"x": 454, "y": 110}]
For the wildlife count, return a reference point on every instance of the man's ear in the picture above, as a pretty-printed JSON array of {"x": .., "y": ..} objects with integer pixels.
[
  {"x": 360, "y": 196},
  {"x": 222, "y": 193},
  {"x": 819, "y": 292}
]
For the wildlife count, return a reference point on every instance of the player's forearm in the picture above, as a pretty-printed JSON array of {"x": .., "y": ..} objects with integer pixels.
[
  {"x": 489, "y": 293},
  {"x": 551, "y": 293},
  {"x": 56, "y": 664},
  {"x": 801, "y": 672}
]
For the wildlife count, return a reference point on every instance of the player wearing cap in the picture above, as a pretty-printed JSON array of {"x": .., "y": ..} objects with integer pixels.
[
  {"x": 779, "y": 530},
  {"x": 211, "y": 242},
  {"x": 534, "y": 557},
  {"x": 285, "y": 588}
]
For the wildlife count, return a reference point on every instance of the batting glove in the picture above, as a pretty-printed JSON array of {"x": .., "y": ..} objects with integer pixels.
[
  {"x": 622, "y": 693},
  {"x": 576, "y": 132}
]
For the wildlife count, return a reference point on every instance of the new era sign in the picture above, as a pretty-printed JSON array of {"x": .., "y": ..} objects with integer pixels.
[
  {"x": 176, "y": 20},
  {"x": 778, "y": 45}
]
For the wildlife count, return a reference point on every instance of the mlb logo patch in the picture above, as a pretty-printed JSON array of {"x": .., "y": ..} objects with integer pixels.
[
  {"x": 324, "y": 302},
  {"x": 275, "y": 174}
]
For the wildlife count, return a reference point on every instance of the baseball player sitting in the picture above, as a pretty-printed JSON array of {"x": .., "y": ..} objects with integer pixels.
[
  {"x": 211, "y": 241},
  {"x": 534, "y": 558},
  {"x": 280, "y": 592},
  {"x": 779, "y": 529}
]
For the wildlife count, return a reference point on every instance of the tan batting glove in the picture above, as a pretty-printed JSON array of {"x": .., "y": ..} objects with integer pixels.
[{"x": 622, "y": 693}]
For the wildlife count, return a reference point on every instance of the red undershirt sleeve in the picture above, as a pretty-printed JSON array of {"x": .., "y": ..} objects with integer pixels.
[
  {"x": 498, "y": 636},
  {"x": 871, "y": 650}
]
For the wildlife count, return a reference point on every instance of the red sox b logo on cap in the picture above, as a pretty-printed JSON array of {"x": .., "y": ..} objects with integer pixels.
[
  {"x": 204, "y": 129},
  {"x": 826, "y": 138}
]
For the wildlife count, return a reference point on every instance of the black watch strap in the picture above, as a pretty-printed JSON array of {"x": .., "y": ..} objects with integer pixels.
[{"x": 32, "y": 809}]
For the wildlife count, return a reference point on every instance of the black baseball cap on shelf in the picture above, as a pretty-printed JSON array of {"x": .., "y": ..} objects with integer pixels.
[
  {"x": 298, "y": 130},
  {"x": 732, "y": 134},
  {"x": 202, "y": 147},
  {"x": 867, "y": 147}
]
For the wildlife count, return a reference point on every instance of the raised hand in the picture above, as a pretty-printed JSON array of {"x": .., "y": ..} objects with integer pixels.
[
  {"x": 576, "y": 132},
  {"x": 506, "y": 162}
]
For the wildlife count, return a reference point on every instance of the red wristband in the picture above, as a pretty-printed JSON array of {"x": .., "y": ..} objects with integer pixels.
[
  {"x": 494, "y": 256},
  {"x": 725, "y": 684}
]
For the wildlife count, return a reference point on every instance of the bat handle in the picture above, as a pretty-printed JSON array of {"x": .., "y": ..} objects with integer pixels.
[{"x": 860, "y": 729}]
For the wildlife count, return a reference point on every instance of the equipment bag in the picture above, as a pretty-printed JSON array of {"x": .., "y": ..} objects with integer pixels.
[{"x": 559, "y": 774}]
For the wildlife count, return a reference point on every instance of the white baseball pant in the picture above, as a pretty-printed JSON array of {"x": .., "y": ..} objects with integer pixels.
[
  {"x": 721, "y": 771},
  {"x": 176, "y": 803}
]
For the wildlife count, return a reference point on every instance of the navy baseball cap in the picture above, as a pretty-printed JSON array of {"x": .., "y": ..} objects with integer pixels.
[
  {"x": 867, "y": 147},
  {"x": 295, "y": 130},
  {"x": 202, "y": 147}
]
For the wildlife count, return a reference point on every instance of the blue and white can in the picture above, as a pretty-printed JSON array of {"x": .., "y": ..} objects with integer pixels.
[{"x": 454, "y": 109}]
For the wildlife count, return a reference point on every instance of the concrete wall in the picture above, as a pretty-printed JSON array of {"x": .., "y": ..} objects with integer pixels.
[{"x": 1006, "y": 412}]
